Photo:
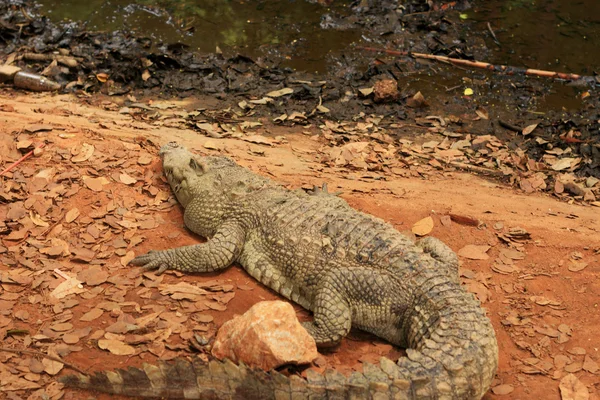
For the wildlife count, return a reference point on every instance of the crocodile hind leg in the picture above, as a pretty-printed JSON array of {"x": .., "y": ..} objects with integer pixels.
[
  {"x": 373, "y": 297},
  {"x": 217, "y": 253},
  {"x": 332, "y": 315}
]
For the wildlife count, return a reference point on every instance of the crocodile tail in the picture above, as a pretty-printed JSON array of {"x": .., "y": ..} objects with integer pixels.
[
  {"x": 183, "y": 379},
  {"x": 452, "y": 349},
  {"x": 423, "y": 375},
  {"x": 452, "y": 354}
]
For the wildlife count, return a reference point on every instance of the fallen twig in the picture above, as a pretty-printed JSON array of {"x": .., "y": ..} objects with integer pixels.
[
  {"x": 490, "y": 67},
  {"x": 510, "y": 127},
  {"x": 20, "y": 160},
  {"x": 40, "y": 354},
  {"x": 493, "y": 34}
]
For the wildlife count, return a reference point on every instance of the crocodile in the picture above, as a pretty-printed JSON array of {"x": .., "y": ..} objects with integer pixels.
[{"x": 349, "y": 268}]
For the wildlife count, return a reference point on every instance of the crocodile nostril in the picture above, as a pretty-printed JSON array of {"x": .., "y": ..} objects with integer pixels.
[{"x": 167, "y": 147}]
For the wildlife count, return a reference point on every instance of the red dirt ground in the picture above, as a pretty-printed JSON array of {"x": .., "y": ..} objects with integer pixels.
[{"x": 545, "y": 315}]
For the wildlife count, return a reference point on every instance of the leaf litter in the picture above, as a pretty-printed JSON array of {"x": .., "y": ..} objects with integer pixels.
[{"x": 99, "y": 237}]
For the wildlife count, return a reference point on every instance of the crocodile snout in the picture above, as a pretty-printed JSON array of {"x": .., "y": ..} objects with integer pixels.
[{"x": 168, "y": 147}]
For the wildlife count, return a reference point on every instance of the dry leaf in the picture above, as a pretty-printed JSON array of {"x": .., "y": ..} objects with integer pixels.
[
  {"x": 482, "y": 113},
  {"x": 145, "y": 159},
  {"x": 95, "y": 184},
  {"x": 86, "y": 151},
  {"x": 563, "y": 163},
  {"x": 204, "y": 318},
  {"x": 590, "y": 365},
  {"x": 577, "y": 266},
  {"x": 130, "y": 255},
  {"x": 474, "y": 252},
  {"x": 102, "y": 77},
  {"x": 446, "y": 220},
  {"x": 52, "y": 367},
  {"x": 559, "y": 187},
  {"x": 423, "y": 227},
  {"x": 16, "y": 383},
  {"x": 116, "y": 347},
  {"x": 479, "y": 289},
  {"x": 93, "y": 276},
  {"x": 70, "y": 286},
  {"x": 211, "y": 145},
  {"x": 417, "y": 101},
  {"x": 36, "y": 366},
  {"x": 71, "y": 215},
  {"x": 551, "y": 332},
  {"x": 501, "y": 390},
  {"x": 366, "y": 91},
  {"x": 63, "y": 327},
  {"x": 36, "y": 219},
  {"x": 70, "y": 338},
  {"x": 23, "y": 144},
  {"x": 259, "y": 139},
  {"x": 83, "y": 254},
  {"x": 126, "y": 179},
  {"x": 574, "y": 367},
  {"x": 512, "y": 254},
  {"x": 141, "y": 322},
  {"x": 528, "y": 129},
  {"x": 578, "y": 351},
  {"x": 38, "y": 128},
  {"x": 571, "y": 388},
  {"x": 560, "y": 361},
  {"x": 280, "y": 92},
  {"x": 91, "y": 315}
]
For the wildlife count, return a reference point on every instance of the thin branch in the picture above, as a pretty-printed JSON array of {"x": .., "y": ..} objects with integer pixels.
[
  {"x": 40, "y": 354},
  {"x": 483, "y": 65},
  {"x": 493, "y": 34}
]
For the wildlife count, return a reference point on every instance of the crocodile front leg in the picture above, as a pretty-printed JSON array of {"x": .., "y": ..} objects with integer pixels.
[
  {"x": 439, "y": 250},
  {"x": 217, "y": 253},
  {"x": 442, "y": 253}
]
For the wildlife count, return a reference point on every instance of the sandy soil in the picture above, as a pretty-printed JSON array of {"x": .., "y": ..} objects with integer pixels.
[{"x": 544, "y": 306}]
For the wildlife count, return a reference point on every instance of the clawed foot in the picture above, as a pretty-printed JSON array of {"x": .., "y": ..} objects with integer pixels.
[
  {"x": 159, "y": 260},
  {"x": 323, "y": 340}
]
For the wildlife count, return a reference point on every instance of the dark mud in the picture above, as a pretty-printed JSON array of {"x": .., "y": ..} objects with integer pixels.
[{"x": 124, "y": 62}]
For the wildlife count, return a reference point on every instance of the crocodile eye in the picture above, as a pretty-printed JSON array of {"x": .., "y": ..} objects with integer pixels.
[{"x": 195, "y": 165}]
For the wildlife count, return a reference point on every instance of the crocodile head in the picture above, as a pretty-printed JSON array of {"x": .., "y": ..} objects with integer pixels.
[{"x": 184, "y": 170}]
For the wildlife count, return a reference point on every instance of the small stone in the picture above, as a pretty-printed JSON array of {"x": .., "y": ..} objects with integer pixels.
[
  {"x": 38, "y": 151},
  {"x": 266, "y": 336},
  {"x": 385, "y": 91}
]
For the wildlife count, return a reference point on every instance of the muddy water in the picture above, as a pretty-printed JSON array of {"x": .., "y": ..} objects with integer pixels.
[
  {"x": 250, "y": 27},
  {"x": 544, "y": 34},
  {"x": 561, "y": 36}
]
